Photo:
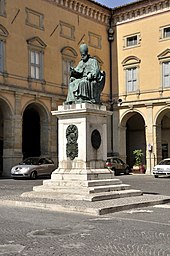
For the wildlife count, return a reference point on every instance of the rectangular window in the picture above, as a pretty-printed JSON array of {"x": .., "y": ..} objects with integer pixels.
[
  {"x": 66, "y": 71},
  {"x": 1, "y": 56},
  {"x": 166, "y": 74},
  {"x": 132, "y": 40},
  {"x": 131, "y": 79},
  {"x": 166, "y": 32},
  {"x": 36, "y": 64}
]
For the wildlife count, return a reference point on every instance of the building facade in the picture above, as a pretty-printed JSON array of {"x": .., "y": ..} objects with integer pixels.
[
  {"x": 39, "y": 41},
  {"x": 143, "y": 80}
]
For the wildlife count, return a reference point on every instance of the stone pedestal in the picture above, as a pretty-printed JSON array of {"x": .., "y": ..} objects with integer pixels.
[
  {"x": 82, "y": 154},
  {"x": 84, "y": 158}
]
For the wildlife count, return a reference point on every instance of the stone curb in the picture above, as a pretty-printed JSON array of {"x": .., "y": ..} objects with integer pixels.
[{"x": 91, "y": 208}]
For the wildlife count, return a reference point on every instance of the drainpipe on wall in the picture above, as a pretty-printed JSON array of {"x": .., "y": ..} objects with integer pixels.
[{"x": 110, "y": 39}]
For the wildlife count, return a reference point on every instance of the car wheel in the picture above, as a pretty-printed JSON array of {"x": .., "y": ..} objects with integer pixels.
[
  {"x": 156, "y": 176},
  {"x": 33, "y": 175}
]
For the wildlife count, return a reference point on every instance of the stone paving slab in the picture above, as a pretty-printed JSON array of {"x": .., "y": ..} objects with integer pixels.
[{"x": 85, "y": 207}]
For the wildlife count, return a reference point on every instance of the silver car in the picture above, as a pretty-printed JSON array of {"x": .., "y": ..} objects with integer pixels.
[
  {"x": 161, "y": 169},
  {"x": 33, "y": 167}
]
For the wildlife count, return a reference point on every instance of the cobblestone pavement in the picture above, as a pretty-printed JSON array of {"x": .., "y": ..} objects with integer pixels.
[
  {"x": 148, "y": 184},
  {"x": 36, "y": 232}
]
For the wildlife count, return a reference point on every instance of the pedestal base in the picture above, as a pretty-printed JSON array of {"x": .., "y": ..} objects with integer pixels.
[{"x": 76, "y": 184}]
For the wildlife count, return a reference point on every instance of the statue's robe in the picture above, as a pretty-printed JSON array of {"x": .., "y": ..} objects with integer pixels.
[{"x": 81, "y": 88}]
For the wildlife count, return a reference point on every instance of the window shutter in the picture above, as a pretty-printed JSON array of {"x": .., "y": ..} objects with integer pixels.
[
  {"x": 134, "y": 78},
  {"x": 129, "y": 80},
  {"x": 166, "y": 74}
]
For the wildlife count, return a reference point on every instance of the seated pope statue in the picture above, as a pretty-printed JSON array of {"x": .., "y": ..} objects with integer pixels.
[{"x": 86, "y": 80}]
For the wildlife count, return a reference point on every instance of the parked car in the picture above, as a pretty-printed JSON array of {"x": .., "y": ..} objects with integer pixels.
[
  {"x": 162, "y": 168},
  {"x": 117, "y": 165},
  {"x": 33, "y": 167}
]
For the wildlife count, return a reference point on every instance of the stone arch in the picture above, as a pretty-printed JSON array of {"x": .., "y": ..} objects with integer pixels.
[
  {"x": 35, "y": 133},
  {"x": 160, "y": 114},
  {"x": 162, "y": 136},
  {"x": 69, "y": 52},
  {"x": 68, "y": 55},
  {"x": 6, "y": 136},
  {"x": 130, "y": 60},
  {"x": 132, "y": 134},
  {"x": 129, "y": 113}
]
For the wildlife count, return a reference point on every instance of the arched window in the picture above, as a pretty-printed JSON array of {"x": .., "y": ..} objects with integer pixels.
[
  {"x": 68, "y": 60},
  {"x": 131, "y": 67}
]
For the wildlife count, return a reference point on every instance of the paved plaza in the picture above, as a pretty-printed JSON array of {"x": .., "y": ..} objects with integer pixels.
[{"x": 133, "y": 232}]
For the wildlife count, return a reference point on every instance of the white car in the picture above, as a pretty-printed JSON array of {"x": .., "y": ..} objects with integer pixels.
[
  {"x": 33, "y": 167},
  {"x": 161, "y": 169}
]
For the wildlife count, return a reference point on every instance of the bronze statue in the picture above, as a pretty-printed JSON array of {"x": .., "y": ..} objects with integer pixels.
[{"x": 86, "y": 80}]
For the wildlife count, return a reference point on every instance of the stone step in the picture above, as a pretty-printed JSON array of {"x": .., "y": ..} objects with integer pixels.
[
  {"x": 82, "y": 190},
  {"x": 93, "y": 183},
  {"x": 39, "y": 201},
  {"x": 109, "y": 188},
  {"x": 90, "y": 183},
  {"x": 114, "y": 195},
  {"x": 88, "y": 197}
]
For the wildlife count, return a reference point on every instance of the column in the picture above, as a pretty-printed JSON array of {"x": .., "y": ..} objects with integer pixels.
[{"x": 149, "y": 139}]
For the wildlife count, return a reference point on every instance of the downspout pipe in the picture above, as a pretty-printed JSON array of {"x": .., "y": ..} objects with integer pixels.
[{"x": 110, "y": 39}]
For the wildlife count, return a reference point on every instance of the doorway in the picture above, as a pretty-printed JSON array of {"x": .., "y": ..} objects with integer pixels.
[{"x": 31, "y": 133}]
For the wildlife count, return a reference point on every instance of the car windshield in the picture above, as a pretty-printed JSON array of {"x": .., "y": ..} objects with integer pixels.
[
  {"x": 31, "y": 160},
  {"x": 165, "y": 162}
]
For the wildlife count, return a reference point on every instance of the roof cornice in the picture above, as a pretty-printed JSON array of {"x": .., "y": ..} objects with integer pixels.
[
  {"x": 138, "y": 10},
  {"x": 86, "y": 8}
]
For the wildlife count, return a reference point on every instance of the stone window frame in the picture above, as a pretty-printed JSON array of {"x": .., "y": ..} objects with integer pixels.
[
  {"x": 3, "y": 8},
  {"x": 69, "y": 26},
  {"x": 69, "y": 56},
  {"x": 131, "y": 63},
  {"x": 163, "y": 35},
  {"x": 97, "y": 37},
  {"x": 38, "y": 14},
  {"x": 3, "y": 36},
  {"x": 163, "y": 58},
  {"x": 36, "y": 45},
  {"x": 131, "y": 36}
]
